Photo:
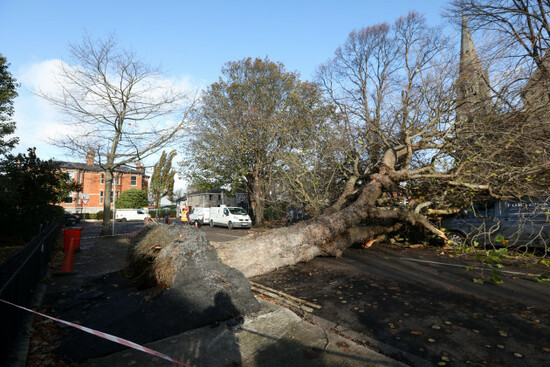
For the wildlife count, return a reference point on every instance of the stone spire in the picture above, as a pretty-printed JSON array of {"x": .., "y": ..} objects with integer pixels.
[
  {"x": 536, "y": 93},
  {"x": 473, "y": 97}
]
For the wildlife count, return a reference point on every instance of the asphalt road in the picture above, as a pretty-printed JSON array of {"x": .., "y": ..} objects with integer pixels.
[
  {"x": 420, "y": 303},
  {"x": 215, "y": 234},
  {"x": 424, "y": 303}
]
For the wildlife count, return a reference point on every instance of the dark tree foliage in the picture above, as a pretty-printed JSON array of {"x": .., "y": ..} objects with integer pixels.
[
  {"x": 8, "y": 93},
  {"x": 29, "y": 189},
  {"x": 251, "y": 120},
  {"x": 132, "y": 199}
]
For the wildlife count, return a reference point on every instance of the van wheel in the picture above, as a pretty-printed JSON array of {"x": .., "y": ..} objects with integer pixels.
[
  {"x": 212, "y": 223},
  {"x": 229, "y": 225},
  {"x": 123, "y": 219},
  {"x": 456, "y": 239}
]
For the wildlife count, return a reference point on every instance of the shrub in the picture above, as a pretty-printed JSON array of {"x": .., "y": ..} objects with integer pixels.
[{"x": 132, "y": 199}]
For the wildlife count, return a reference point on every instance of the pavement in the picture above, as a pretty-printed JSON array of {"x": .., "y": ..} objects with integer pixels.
[{"x": 274, "y": 336}]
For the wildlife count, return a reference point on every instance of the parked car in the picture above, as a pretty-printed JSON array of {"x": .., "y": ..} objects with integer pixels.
[
  {"x": 131, "y": 214},
  {"x": 501, "y": 223},
  {"x": 71, "y": 220},
  {"x": 230, "y": 217},
  {"x": 199, "y": 216}
]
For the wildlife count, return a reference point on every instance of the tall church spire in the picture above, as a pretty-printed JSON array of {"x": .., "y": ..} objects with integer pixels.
[
  {"x": 473, "y": 95},
  {"x": 536, "y": 93}
]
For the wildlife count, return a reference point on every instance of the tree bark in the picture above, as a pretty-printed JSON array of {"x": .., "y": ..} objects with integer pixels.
[
  {"x": 107, "y": 199},
  {"x": 263, "y": 252},
  {"x": 258, "y": 197},
  {"x": 327, "y": 235}
]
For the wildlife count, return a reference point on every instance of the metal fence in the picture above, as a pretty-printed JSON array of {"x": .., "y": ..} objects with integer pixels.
[{"x": 19, "y": 277}]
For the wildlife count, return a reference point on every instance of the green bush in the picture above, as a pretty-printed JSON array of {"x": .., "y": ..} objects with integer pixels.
[
  {"x": 132, "y": 199},
  {"x": 28, "y": 187}
]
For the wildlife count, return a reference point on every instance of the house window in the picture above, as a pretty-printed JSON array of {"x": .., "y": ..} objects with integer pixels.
[
  {"x": 68, "y": 199},
  {"x": 71, "y": 175},
  {"x": 101, "y": 197},
  {"x": 133, "y": 180},
  {"x": 102, "y": 179}
]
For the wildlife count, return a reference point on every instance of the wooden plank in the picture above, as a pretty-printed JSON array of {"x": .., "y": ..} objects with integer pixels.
[
  {"x": 282, "y": 294},
  {"x": 282, "y": 299}
]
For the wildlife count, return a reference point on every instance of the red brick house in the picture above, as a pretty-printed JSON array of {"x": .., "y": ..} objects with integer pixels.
[{"x": 92, "y": 178}]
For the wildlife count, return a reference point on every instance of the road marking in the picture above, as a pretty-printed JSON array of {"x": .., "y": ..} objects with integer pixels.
[{"x": 466, "y": 266}]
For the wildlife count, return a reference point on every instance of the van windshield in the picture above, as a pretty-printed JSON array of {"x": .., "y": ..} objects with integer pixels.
[{"x": 237, "y": 211}]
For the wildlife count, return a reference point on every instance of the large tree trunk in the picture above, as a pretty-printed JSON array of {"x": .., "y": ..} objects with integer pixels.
[
  {"x": 107, "y": 199},
  {"x": 263, "y": 252},
  {"x": 258, "y": 200},
  {"x": 327, "y": 235}
]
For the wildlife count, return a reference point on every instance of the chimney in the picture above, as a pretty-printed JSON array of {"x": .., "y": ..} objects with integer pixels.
[
  {"x": 140, "y": 167},
  {"x": 90, "y": 158}
]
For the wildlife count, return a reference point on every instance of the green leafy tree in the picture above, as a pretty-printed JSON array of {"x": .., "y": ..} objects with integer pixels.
[
  {"x": 162, "y": 180},
  {"x": 131, "y": 199},
  {"x": 8, "y": 93},
  {"x": 250, "y": 120},
  {"x": 30, "y": 189}
]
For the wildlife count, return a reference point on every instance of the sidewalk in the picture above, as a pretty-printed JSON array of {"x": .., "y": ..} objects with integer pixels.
[{"x": 275, "y": 336}]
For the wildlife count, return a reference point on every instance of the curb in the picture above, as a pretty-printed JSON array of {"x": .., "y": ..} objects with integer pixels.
[{"x": 394, "y": 353}]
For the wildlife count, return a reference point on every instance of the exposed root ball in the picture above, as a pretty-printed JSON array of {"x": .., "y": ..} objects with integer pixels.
[
  {"x": 157, "y": 252},
  {"x": 181, "y": 260}
]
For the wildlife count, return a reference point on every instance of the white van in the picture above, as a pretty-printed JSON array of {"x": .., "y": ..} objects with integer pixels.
[
  {"x": 199, "y": 215},
  {"x": 230, "y": 217},
  {"x": 131, "y": 214}
]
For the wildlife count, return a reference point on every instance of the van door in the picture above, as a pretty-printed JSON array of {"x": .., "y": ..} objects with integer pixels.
[
  {"x": 483, "y": 224},
  {"x": 525, "y": 223}
]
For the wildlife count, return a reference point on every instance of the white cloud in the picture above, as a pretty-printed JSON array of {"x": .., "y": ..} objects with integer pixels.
[{"x": 38, "y": 121}]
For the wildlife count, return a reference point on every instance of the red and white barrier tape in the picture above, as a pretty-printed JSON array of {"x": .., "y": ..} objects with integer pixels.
[{"x": 100, "y": 334}]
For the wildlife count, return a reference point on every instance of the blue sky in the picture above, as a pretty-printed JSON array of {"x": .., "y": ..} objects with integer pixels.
[{"x": 190, "y": 40}]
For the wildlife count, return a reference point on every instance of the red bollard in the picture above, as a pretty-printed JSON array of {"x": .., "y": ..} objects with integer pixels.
[
  {"x": 67, "y": 267},
  {"x": 70, "y": 234}
]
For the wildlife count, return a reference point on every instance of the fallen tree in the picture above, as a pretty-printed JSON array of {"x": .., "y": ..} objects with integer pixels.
[
  {"x": 411, "y": 119},
  {"x": 326, "y": 235}
]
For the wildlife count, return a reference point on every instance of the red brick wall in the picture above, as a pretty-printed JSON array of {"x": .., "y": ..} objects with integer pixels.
[{"x": 93, "y": 186}]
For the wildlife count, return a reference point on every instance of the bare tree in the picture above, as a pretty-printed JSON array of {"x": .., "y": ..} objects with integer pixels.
[
  {"x": 393, "y": 89},
  {"x": 522, "y": 26},
  {"x": 427, "y": 152},
  {"x": 503, "y": 151},
  {"x": 517, "y": 39},
  {"x": 383, "y": 83},
  {"x": 119, "y": 107}
]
